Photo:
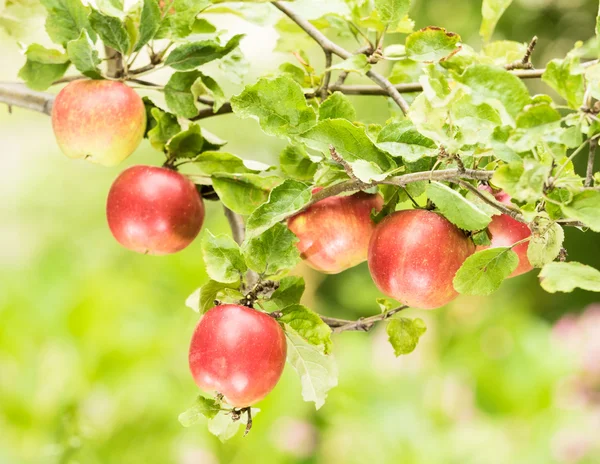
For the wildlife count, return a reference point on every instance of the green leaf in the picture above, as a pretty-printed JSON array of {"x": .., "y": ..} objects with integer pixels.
[
  {"x": 43, "y": 67},
  {"x": 179, "y": 94},
  {"x": 285, "y": 199},
  {"x": 496, "y": 87},
  {"x": 318, "y": 371},
  {"x": 84, "y": 56},
  {"x": 277, "y": 104},
  {"x": 404, "y": 334},
  {"x": 180, "y": 19},
  {"x": 186, "y": 144},
  {"x": 404, "y": 140},
  {"x": 162, "y": 126},
  {"x": 296, "y": 163},
  {"x": 456, "y": 208},
  {"x": 337, "y": 105},
  {"x": 431, "y": 44},
  {"x": 392, "y": 11},
  {"x": 308, "y": 325},
  {"x": 353, "y": 145},
  {"x": 202, "y": 408},
  {"x": 149, "y": 23},
  {"x": 289, "y": 292},
  {"x": 111, "y": 30},
  {"x": 567, "y": 78},
  {"x": 272, "y": 251},
  {"x": 191, "y": 55},
  {"x": 203, "y": 299},
  {"x": 66, "y": 19},
  {"x": 483, "y": 272},
  {"x": 566, "y": 277},
  {"x": 243, "y": 193},
  {"x": 585, "y": 207},
  {"x": 222, "y": 258},
  {"x": 505, "y": 51},
  {"x": 545, "y": 245},
  {"x": 207, "y": 85},
  {"x": 491, "y": 10},
  {"x": 211, "y": 162},
  {"x": 356, "y": 63},
  {"x": 481, "y": 238},
  {"x": 524, "y": 182}
]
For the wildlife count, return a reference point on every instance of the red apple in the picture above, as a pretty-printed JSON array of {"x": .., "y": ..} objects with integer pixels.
[
  {"x": 154, "y": 210},
  {"x": 506, "y": 231},
  {"x": 98, "y": 120},
  {"x": 414, "y": 255},
  {"x": 238, "y": 352},
  {"x": 334, "y": 233}
]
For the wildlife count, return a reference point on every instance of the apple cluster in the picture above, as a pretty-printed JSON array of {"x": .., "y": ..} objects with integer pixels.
[{"x": 237, "y": 351}]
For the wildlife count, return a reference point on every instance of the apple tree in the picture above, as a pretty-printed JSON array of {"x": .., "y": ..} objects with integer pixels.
[{"x": 469, "y": 182}]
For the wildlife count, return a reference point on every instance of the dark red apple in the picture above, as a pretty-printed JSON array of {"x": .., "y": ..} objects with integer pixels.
[
  {"x": 98, "y": 120},
  {"x": 238, "y": 352},
  {"x": 506, "y": 231},
  {"x": 154, "y": 210},
  {"x": 414, "y": 255},
  {"x": 334, "y": 233}
]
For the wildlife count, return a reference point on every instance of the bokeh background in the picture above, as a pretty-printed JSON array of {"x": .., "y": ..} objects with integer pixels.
[{"x": 94, "y": 338}]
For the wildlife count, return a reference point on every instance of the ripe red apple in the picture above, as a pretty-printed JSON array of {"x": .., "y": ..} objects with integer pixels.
[
  {"x": 98, "y": 120},
  {"x": 413, "y": 256},
  {"x": 238, "y": 352},
  {"x": 154, "y": 210},
  {"x": 506, "y": 231},
  {"x": 334, "y": 233}
]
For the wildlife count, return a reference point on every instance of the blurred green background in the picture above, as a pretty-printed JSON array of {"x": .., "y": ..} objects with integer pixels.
[{"x": 94, "y": 338}]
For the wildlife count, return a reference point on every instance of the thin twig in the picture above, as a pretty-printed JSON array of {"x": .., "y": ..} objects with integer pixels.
[
  {"x": 505, "y": 209},
  {"x": 324, "y": 91},
  {"x": 363, "y": 324},
  {"x": 589, "y": 175},
  {"x": 208, "y": 112},
  {"x": 525, "y": 62},
  {"x": 329, "y": 46}
]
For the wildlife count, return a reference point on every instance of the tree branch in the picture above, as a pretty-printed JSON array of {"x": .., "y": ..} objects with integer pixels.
[
  {"x": 363, "y": 324},
  {"x": 589, "y": 175},
  {"x": 114, "y": 63},
  {"x": 208, "y": 112},
  {"x": 525, "y": 62},
  {"x": 330, "y": 47},
  {"x": 505, "y": 209},
  {"x": 236, "y": 223},
  {"x": 23, "y": 97}
]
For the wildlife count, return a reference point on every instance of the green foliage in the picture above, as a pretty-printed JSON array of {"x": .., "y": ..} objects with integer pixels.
[
  {"x": 317, "y": 371},
  {"x": 272, "y": 251},
  {"x": 278, "y": 104},
  {"x": 456, "y": 208},
  {"x": 287, "y": 198},
  {"x": 356, "y": 63},
  {"x": 222, "y": 258},
  {"x": 194, "y": 54},
  {"x": 308, "y": 325},
  {"x": 84, "y": 56},
  {"x": 111, "y": 30},
  {"x": 566, "y": 277},
  {"x": 404, "y": 334},
  {"x": 335, "y": 106},
  {"x": 545, "y": 243},
  {"x": 483, "y": 272},
  {"x": 243, "y": 193},
  {"x": 491, "y": 10},
  {"x": 43, "y": 66},
  {"x": 431, "y": 44}
]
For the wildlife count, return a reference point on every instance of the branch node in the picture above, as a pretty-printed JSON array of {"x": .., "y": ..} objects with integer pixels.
[{"x": 525, "y": 62}]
